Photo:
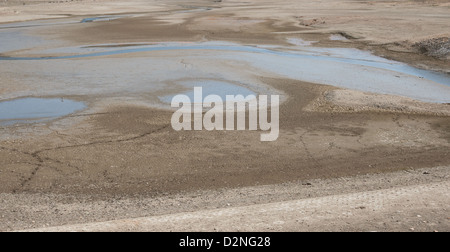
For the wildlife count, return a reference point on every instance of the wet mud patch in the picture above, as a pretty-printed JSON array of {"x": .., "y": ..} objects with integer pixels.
[
  {"x": 443, "y": 127},
  {"x": 132, "y": 120},
  {"x": 30, "y": 110}
]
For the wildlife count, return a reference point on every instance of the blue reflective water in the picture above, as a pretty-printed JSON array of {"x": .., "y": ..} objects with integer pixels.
[
  {"x": 30, "y": 110},
  {"x": 102, "y": 18},
  {"x": 348, "y": 56}
]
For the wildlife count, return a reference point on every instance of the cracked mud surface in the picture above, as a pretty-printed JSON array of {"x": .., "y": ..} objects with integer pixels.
[
  {"x": 134, "y": 151},
  {"x": 132, "y": 154},
  {"x": 125, "y": 161}
]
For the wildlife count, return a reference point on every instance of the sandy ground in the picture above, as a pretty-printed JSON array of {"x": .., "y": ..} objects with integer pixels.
[
  {"x": 400, "y": 26},
  {"x": 128, "y": 160},
  {"x": 403, "y": 201}
]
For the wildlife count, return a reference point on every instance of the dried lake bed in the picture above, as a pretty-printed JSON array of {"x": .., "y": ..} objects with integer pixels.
[{"x": 85, "y": 113}]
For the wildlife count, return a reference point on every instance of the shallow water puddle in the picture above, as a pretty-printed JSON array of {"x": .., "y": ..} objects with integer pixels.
[
  {"x": 102, "y": 18},
  {"x": 337, "y": 55},
  {"x": 31, "y": 110},
  {"x": 341, "y": 67}
]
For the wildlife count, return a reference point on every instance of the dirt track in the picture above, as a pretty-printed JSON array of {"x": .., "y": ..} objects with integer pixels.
[
  {"x": 131, "y": 152},
  {"x": 373, "y": 212},
  {"x": 402, "y": 201}
]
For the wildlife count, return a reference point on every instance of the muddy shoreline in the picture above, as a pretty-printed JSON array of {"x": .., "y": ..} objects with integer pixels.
[
  {"x": 134, "y": 151},
  {"x": 121, "y": 149}
]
